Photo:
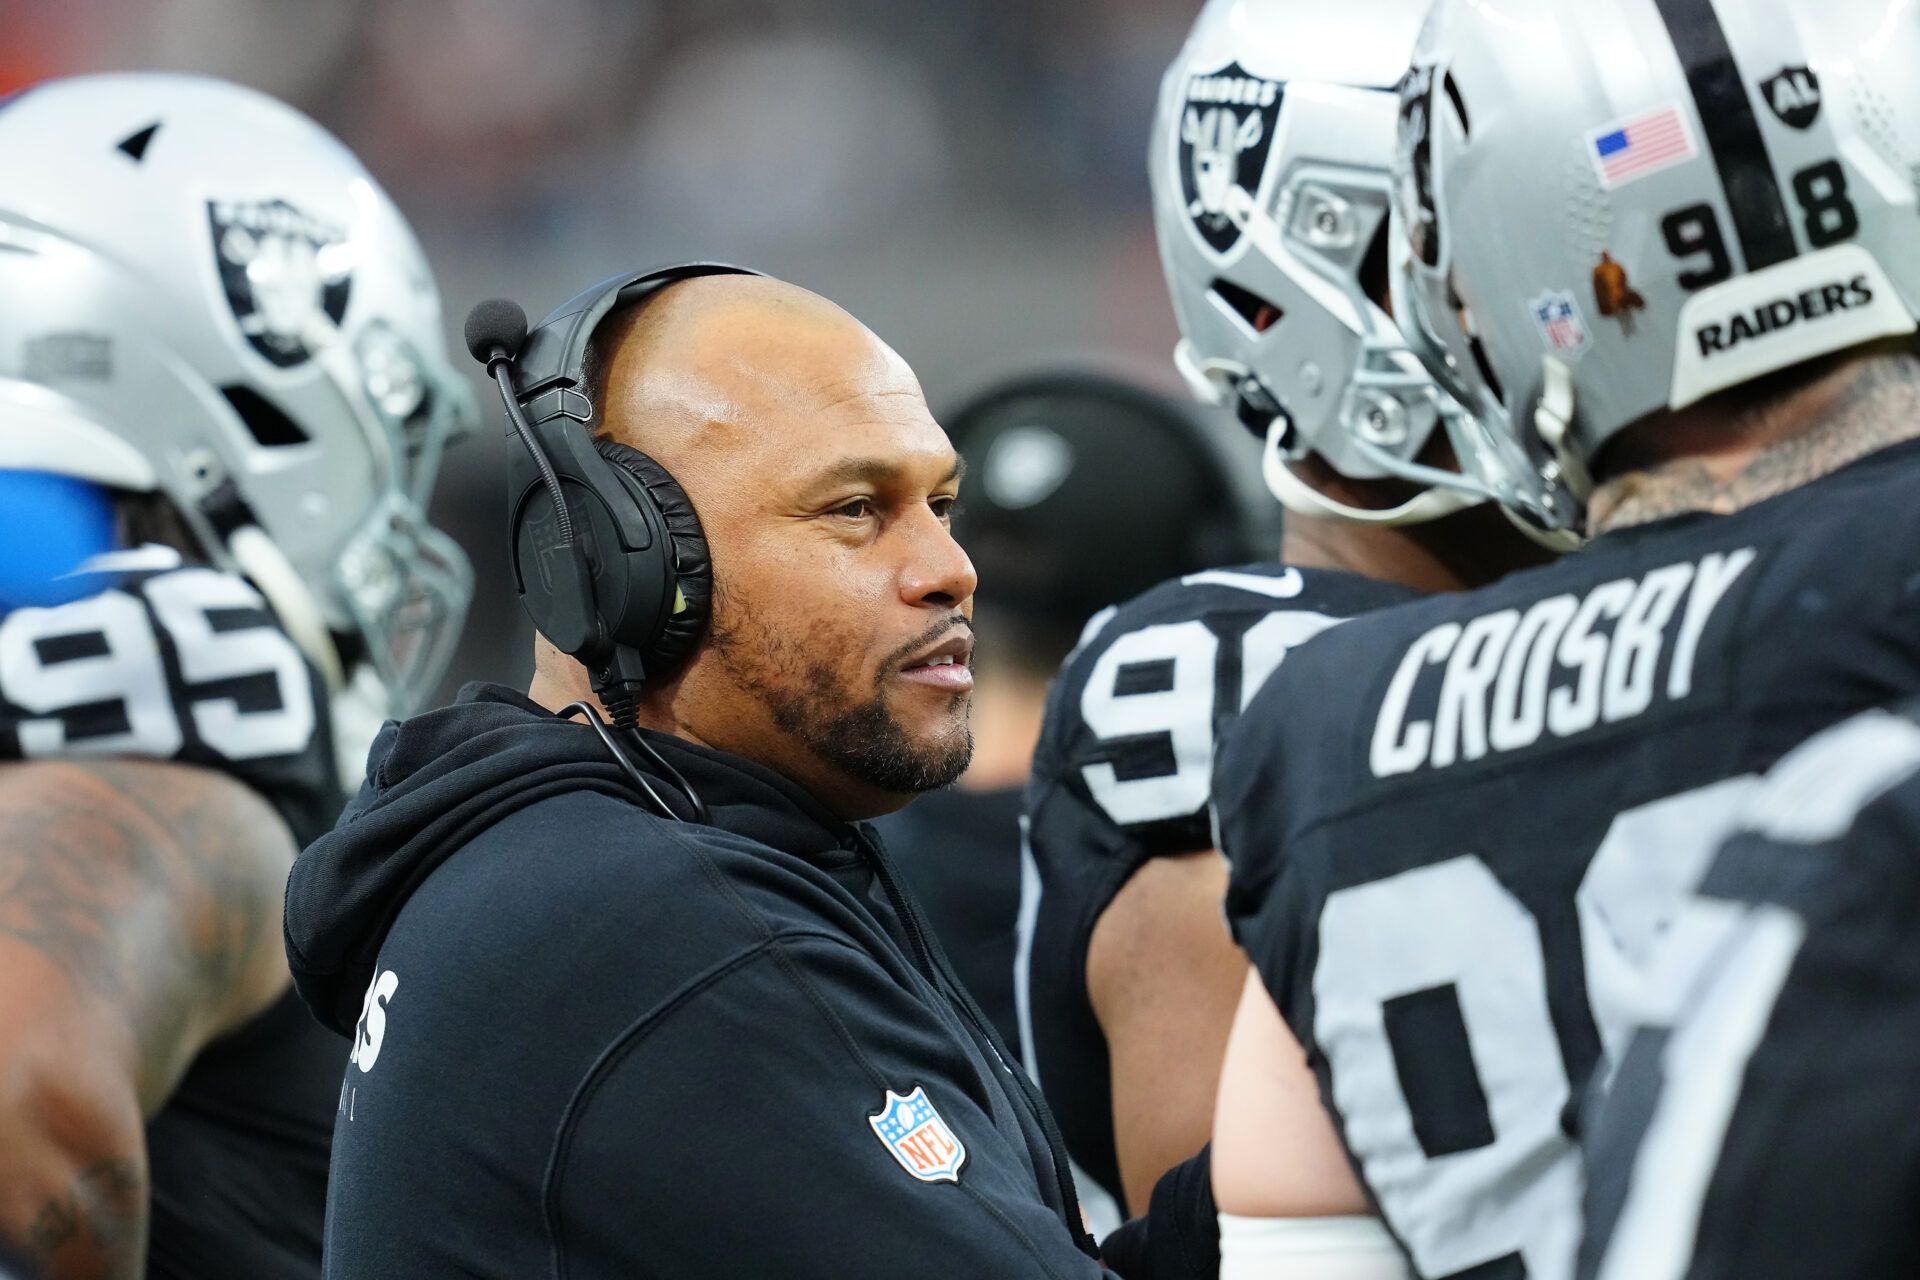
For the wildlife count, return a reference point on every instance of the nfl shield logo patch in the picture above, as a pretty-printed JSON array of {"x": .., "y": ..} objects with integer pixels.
[
  {"x": 914, "y": 1134},
  {"x": 1558, "y": 316}
]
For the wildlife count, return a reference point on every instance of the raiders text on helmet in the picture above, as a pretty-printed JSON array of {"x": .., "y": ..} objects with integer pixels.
[
  {"x": 1269, "y": 169},
  {"x": 209, "y": 298},
  {"x": 1615, "y": 207}
]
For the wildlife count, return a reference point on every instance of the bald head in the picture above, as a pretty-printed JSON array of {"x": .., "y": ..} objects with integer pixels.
[{"x": 683, "y": 365}]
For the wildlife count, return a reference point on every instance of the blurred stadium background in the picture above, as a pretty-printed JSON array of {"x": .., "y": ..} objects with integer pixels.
[{"x": 966, "y": 176}]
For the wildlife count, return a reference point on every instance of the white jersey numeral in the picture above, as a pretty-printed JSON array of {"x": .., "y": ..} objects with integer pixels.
[
  {"x": 1748, "y": 952},
  {"x": 1714, "y": 980},
  {"x": 1451, "y": 937},
  {"x": 1454, "y": 931},
  {"x": 1182, "y": 711},
  {"x": 78, "y": 656},
  {"x": 101, "y": 657},
  {"x": 182, "y": 601}
]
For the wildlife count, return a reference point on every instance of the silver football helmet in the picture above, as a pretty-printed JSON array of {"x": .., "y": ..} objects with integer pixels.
[
  {"x": 1611, "y": 207},
  {"x": 209, "y": 298},
  {"x": 1270, "y": 171}
]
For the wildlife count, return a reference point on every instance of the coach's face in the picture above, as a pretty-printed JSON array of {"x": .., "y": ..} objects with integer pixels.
[{"x": 840, "y": 648}]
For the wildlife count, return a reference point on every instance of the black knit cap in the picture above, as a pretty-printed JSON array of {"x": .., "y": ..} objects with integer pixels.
[{"x": 1084, "y": 489}]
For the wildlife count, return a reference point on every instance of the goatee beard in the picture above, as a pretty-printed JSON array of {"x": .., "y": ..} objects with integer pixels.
[
  {"x": 867, "y": 743},
  {"x": 861, "y": 739}
]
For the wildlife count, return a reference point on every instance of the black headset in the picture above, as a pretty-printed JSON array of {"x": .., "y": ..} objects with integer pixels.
[{"x": 608, "y": 555}]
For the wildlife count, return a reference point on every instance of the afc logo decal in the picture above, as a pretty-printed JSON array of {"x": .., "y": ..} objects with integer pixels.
[{"x": 1794, "y": 95}]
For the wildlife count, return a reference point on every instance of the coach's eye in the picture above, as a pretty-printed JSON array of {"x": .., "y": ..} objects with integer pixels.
[
  {"x": 946, "y": 506},
  {"x": 858, "y": 509}
]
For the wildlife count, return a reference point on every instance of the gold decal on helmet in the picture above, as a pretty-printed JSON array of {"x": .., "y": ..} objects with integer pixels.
[{"x": 1615, "y": 297}]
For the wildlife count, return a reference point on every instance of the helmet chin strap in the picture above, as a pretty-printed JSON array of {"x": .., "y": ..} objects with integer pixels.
[
  {"x": 1210, "y": 381},
  {"x": 1553, "y": 419},
  {"x": 1558, "y": 541},
  {"x": 1301, "y": 498},
  {"x": 268, "y": 568}
]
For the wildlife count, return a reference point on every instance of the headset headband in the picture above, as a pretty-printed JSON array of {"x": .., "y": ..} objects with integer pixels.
[
  {"x": 612, "y": 628},
  {"x": 548, "y": 369}
]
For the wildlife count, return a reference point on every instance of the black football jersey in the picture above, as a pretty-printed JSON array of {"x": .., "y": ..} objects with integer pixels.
[
  {"x": 959, "y": 850},
  {"x": 1761, "y": 1124},
  {"x": 1455, "y": 833},
  {"x": 174, "y": 661},
  {"x": 1123, "y": 773}
]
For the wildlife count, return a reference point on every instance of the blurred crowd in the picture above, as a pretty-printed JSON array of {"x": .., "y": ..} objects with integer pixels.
[{"x": 965, "y": 176}]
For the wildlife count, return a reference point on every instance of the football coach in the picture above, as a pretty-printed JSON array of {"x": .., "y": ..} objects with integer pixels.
[{"x": 655, "y": 1004}]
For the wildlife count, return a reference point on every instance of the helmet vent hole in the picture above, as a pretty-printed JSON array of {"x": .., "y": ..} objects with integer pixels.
[
  {"x": 1373, "y": 268},
  {"x": 1258, "y": 314},
  {"x": 134, "y": 145},
  {"x": 1452, "y": 91},
  {"x": 270, "y": 428}
]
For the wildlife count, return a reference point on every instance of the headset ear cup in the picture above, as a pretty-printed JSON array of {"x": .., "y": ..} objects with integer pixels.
[{"x": 693, "y": 566}]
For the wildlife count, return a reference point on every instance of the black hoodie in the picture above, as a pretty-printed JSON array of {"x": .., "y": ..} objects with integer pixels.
[{"x": 592, "y": 1042}]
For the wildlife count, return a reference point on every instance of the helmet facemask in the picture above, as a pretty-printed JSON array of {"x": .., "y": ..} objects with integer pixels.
[{"x": 1275, "y": 278}]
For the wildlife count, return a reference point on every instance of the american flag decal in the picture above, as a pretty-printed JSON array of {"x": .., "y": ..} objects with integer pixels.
[{"x": 1640, "y": 145}]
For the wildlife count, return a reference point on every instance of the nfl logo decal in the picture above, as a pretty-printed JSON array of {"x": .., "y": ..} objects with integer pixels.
[
  {"x": 1225, "y": 134},
  {"x": 286, "y": 275},
  {"x": 915, "y": 1135},
  {"x": 1560, "y": 324}
]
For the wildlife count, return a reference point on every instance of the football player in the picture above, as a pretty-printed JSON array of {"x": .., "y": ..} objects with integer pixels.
[
  {"x": 1675, "y": 270},
  {"x": 1269, "y": 168},
  {"x": 222, "y": 381},
  {"x": 1760, "y": 1124}
]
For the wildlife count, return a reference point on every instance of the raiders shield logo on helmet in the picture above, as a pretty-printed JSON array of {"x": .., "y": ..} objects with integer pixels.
[
  {"x": 1225, "y": 134},
  {"x": 286, "y": 276}
]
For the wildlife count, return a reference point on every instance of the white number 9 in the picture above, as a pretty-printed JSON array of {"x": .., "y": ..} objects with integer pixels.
[
  {"x": 1184, "y": 710},
  {"x": 99, "y": 660},
  {"x": 112, "y": 659}
]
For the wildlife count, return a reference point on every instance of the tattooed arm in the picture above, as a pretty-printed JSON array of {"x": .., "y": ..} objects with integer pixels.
[{"x": 139, "y": 919}]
